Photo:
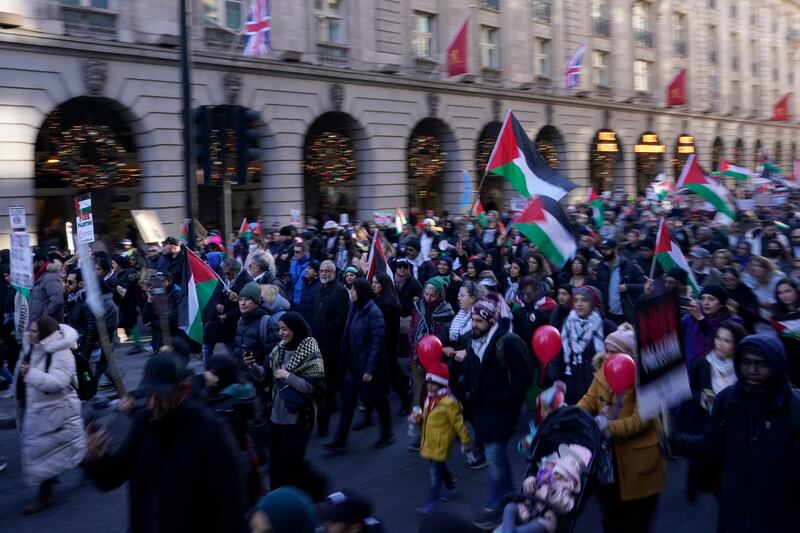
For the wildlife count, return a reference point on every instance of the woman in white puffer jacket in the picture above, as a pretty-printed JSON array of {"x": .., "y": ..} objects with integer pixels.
[{"x": 48, "y": 408}]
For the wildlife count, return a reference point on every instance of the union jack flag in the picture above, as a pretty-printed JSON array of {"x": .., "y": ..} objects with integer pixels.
[
  {"x": 257, "y": 29},
  {"x": 572, "y": 71}
]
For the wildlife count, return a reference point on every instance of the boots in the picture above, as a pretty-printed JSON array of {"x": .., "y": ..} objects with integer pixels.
[{"x": 44, "y": 500}]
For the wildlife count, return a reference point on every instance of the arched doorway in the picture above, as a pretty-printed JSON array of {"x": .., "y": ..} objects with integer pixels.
[
  {"x": 649, "y": 160},
  {"x": 738, "y": 152},
  {"x": 86, "y": 144},
  {"x": 683, "y": 149},
  {"x": 426, "y": 156},
  {"x": 717, "y": 154},
  {"x": 331, "y": 165},
  {"x": 757, "y": 153},
  {"x": 550, "y": 145},
  {"x": 492, "y": 192},
  {"x": 779, "y": 155},
  {"x": 605, "y": 162}
]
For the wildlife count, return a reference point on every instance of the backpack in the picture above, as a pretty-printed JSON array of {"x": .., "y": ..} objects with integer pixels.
[
  {"x": 87, "y": 382},
  {"x": 268, "y": 332}
]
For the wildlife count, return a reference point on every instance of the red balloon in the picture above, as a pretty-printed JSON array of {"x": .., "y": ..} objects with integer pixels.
[
  {"x": 429, "y": 351},
  {"x": 620, "y": 372},
  {"x": 546, "y": 343}
]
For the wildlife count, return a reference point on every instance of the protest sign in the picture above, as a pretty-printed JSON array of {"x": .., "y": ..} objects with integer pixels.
[
  {"x": 21, "y": 262},
  {"x": 16, "y": 216},
  {"x": 149, "y": 226},
  {"x": 84, "y": 221},
  {"x": 294, "y": 218},
  {"x": 662, "y": 378}
]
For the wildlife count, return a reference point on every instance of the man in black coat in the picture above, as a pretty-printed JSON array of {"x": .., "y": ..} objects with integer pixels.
[
  {"x": 180, "y": 460},
  {"x": 327, "y": 325},
  {"x": 172, "y": 256},
  {"x": 505, "y": 374},
  {"x": 621, "y": 282},
  {"x": 222, "y": 314},
  {"x": 753, "y": 438},
  {"x": 248, "y": 339},
  {"x": 78, "y": 315}
]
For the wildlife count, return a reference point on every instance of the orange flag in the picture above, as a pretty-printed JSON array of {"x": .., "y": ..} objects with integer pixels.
[
  {"x": 780, "y": 111},
  {"x": 676, "y": 90},
  {"x": 457, "y": 62}
]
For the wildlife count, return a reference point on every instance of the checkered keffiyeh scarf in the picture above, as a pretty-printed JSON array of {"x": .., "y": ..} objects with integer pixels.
[{"x": 577, "y": 334}]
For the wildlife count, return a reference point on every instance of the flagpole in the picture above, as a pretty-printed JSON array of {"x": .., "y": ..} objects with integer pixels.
[
  {"x": 486, "y": 170},
  {"x": 224, "y": 284},
  {"x": 653, "y": 263},
  {"x": 190, "y": 181}
]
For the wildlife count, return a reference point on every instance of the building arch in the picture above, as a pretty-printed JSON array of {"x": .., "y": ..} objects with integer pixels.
[
  {"x": 606, "y": 161},
  {"x": 739, "y": 152},
  {"x": 430, "y": 142},
  {"x": 649, "y": 152},
  {"x": 492, "y": 193},
  {"x": 684, "y": 147},
  {"x": 717, "y": 153},
  {"x": 551, "y": 146}
]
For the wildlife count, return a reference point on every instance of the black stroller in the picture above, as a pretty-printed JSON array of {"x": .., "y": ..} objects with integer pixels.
[{"x": 567, "y": 425}]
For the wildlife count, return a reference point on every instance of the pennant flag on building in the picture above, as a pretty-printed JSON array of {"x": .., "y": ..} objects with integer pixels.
[
  {"x": 457, "y": 56},
  {"x": 780, "y": 111},
  {"x": 669, "y": 255},
  {"x": 399, "y": 220},
  {"x": 676, "y": 90},
  {"x": 598, "y": 208},
  {"x": 514, "y": 158},
  {"x": 789, "y": 329},
  {"x": 257, "y": 39},
  {"x": 733, "y": 171},
  {"x": 572, "y": 71},
  {"x": 376, "y": 262},
  {"x": 244, "y": 229},
  {"x": 198, "y": 286},
  {"x": 546, "y": 225},
  {"x": 466, "y": 191},
  {"x": 693, "y": 179}
]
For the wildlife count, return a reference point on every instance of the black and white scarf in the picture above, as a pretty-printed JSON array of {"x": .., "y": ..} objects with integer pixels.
[
  {"x": 461, "y": 325},
  {"x": 577, "y": 334}
]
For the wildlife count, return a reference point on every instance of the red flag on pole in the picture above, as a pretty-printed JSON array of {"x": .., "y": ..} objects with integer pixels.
[
  {"x": 676, "y": 90},
  {"x": 376, "y": 262},
  {"x": 457, "y": 58},
  {"x": 780, "y": 111}
]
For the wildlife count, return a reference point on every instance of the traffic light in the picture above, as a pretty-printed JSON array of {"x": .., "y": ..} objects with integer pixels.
[
  {"x": 202, "y": 141},
  {"x": 248, "y": 135}
]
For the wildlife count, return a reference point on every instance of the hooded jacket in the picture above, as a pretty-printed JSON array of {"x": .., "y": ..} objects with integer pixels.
[
  {"x": 755, "y": 437},
  {"x": 47, "y": 295}
]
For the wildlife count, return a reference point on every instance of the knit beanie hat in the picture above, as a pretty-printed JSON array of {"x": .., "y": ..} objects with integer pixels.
[
  {"x": 717, "y": 291},
  {"x": 679, "y": 274},
  {"x": 351, "y": 270},
  {"x": 122, "y": 261},
  {"x": 438, "y": 373},
  {"x": 289, "y": 510},
  {"x": 313, "y": 265},
  {"x": 487, "y": 310},
  {"x": 440, "y": 283},
  {"x": 252, "y": 292},
  {"x": 591, "y": 294},
  {"x": 622, "y": 340}
]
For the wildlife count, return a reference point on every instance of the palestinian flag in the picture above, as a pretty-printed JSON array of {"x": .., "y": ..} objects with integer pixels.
[
  {"x": 733, "y": 171},
  {"x": 669, "y": 255},
  {"x": 545, "y": 224},
  {"x": 514, "y": 158},
  {"x": 480, "y": 213},
  {"x": 693, "y": 179},
  {"x": 376, "y": 262},
  {"x": 789, "y": 329},
  {"x": 244, "y": 229},
  {"x": 184, "y": 236},
  {"x": 399, "y": 220},
  {"x": 598, "y": 208},
  {"x": 198, "y": 285}
]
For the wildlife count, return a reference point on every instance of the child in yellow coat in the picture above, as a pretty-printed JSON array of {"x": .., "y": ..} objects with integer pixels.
[{"x": 441, "y": 419}]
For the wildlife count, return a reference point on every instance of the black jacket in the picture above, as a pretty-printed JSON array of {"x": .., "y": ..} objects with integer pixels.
[
  {"x": 756, "y": 439},
  {"x": 501, "y": 388},
  {"x": 629, "y": 274},
  {"x": 248, "y": 336},
  {"x": 224, "y": 331},
  {"x": 329, "y": 317},
  {"x": 128, "y": 279},
  {"x": 308, "y": 298},
  {"x": 79, "y": 316},
  {"x": 364, "y": 350},
  {"x": 183, "y": 471},
  {"x": 411, "y": 289}
]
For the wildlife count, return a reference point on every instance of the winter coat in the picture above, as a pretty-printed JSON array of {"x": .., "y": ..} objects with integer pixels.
[
  {"x": 756, "y": 440},
  {"x": 329, "y": 317},
  {"x": 47, "y": 295},
  {"x": 525, "y": 327},
  {"x": 248, "y": 336},
  {"x": 640, "y": 468},
  {"x": 698, "y": 335},
  {"x": 128, "y": 280},
  {"x": 296, "y": 271},
  {"x": 501, "y": 388},
  {"x": 631, "y": 276},
  {"x": 184, "y": 473},
  {"x": 439, "y": 429},
  {"x": 308, "y": 298},
  {"x": 51, "y": 427},
  {"x": 79, "y": 316},
  {"x": 216, "y": 330},
  {"x": 411, "y": 289},
  {"x": 748, "y": 305},
  {"x": 364, "y": 351},
  {"x": 151, "y": 316}
]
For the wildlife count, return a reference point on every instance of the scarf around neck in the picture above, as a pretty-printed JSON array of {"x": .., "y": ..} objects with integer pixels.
[
  {"x": 432, "y": 399},
  {"x": 480, "y": 344},
  {"x": 577, "y": 334},
  {"x": 723, "y": 372},
  {"x": 461, "y": 325}
]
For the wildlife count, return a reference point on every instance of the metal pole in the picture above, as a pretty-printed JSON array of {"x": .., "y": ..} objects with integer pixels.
[{"x": 190, "y": 181}]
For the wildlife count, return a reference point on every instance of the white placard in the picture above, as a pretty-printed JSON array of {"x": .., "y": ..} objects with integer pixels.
[
  {"x": 83, "y": 218},
  {"x": 518, "y": 204},
  {"x": 344, "y": 219},
  {"x": 149, "y": 226},
  {"x": 21, "y": 260},
  {"x": 294, "y": 218},
  {"x": 16, "y": 215}
]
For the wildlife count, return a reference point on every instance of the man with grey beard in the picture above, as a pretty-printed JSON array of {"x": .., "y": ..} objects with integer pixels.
[{"x": 327, "y": 326}]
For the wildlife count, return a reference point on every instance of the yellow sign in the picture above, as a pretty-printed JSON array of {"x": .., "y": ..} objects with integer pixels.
[
  {"x": 649, "y": 148},
  {"x": 650, "y": 138},
  {"x": 607, "y": 136},
  {"x": 686, "y": 149},
  {"x": 607, "y": 147},
  {"x": 685, "y": 139}
]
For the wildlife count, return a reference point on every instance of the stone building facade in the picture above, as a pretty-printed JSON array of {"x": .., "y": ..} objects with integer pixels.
[{"x": 372, "y": 71}]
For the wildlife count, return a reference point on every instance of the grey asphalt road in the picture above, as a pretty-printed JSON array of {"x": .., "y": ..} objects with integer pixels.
[{"x": 394, "y": 478}]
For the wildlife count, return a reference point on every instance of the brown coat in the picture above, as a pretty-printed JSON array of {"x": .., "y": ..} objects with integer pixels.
[{"x": 640, "y": 466}]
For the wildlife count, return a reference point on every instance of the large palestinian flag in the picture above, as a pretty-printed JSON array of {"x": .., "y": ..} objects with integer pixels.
[
  {"x": 733, "y": 171},
  {"x": 545, "y": 224},
  {"x": 514, "y": 158},
  {"x": 693, "y": 179},
  {"x": 199, "y": 283},
  {"x": 669, "y": 256}
]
